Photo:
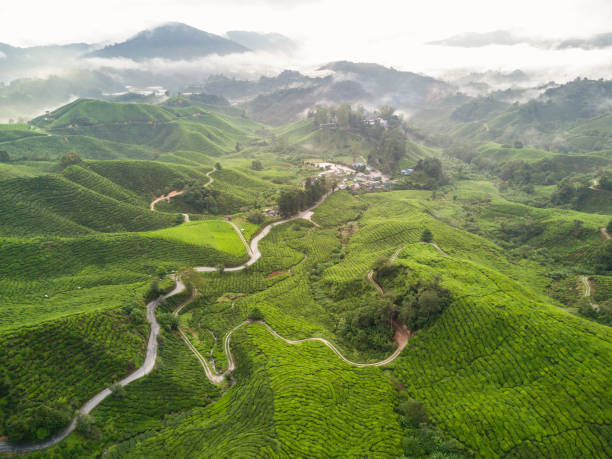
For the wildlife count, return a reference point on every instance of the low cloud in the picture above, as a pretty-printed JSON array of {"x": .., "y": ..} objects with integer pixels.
[
  {"x": 510, "y": 38},
  {"x": 477, "y": 40},
  {"x": 244, "y": 65}
]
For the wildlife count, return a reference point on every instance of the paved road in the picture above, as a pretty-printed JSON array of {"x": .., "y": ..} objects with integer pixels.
[
  {"x": 401, "y": 338},
  {"x": 145, "y": 369}
]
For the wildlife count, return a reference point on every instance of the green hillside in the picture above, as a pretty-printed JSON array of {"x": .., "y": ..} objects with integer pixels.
[
  {"x": 52, "y": 204},
  {"x": 163, "y": 129},
  {"x": 13, "y": 132},
  {"x": 470, "y": 319},
  {"x": 147, "y": 178},
  {"x": 467, "y": 367},
  {"x": 53, "y": 146}
]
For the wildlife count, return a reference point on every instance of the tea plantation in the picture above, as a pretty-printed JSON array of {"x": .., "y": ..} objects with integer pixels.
[{"x": 505, "y": 355}]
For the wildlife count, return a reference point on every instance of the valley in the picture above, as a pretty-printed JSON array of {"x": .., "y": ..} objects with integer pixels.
[{"x": 364, "y": 262}]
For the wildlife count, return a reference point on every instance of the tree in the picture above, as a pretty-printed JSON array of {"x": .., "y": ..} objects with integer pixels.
[
  {"x": 218, "y": 166},
  {"x": 118, "y": 390},
  {"x": 69, "y": 159},
  {"x": 256, "y": 165},
  {"x": 422, "y": 303},
  {"x": 85, "y": 423},
  {"x": 427, "y": 235},
  {"x": 168, "y": 321},
  {"x": 605, "y": 182},
  {"x": 255, "y": 217},
  {"x": 343, "y": 114},
  {"x": 609, "y": 227},
  {"x": 391, "y": 148},
  {"x": 153, "y": 291},
  {"x": 431, "y": 166},
  {"x": 255, "y": 314},
  {"x": 413, "y": 410},
  {"x": 238, "y": 147},
  {"x": 321, "y": 115},
  {"x": 565, "y": 192},
  {"x": 292, "y": 201},
  {"x": 220, "y": 268},
  {"x": 4, "y": 156},
  {"x": 386, "y": 112}
]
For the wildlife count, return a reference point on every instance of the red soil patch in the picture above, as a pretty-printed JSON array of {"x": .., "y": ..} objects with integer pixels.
[{"x": 275, "y": 273}]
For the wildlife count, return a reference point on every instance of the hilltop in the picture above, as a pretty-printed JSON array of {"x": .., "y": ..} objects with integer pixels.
[{"x": 173, "y": 41}]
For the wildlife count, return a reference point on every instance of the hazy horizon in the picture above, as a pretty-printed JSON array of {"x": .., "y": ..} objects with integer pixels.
[{"x": 387, "y": 32}]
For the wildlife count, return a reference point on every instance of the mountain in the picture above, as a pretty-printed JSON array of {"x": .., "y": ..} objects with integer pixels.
[
  {"x": 29, "y": 97},
  {"x": 173, "y": 41},
  {"x": 599, "y": 41},
  {"x": 286, "y": 96},
  {"x": 568, "y": 118},
  {"x": 271, "y": 42},
  {"x": 18, "y": 62},
  {"x": 509, "y": 38},
  {"x": 400, "y": 89},
  {"x": 477, "y": 40}
]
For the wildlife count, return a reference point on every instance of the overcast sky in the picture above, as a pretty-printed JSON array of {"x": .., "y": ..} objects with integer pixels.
[{"x": 391, "y": 32}]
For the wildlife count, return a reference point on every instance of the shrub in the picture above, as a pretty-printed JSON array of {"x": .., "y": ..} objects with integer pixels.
[
  {"x": 153, "y": 291},
  {"x": 68, "y": 159},
  {"x": 427, "y": 235},
  {"x": 137, "y": 316},
  {"x": 413, "y": 411},
  {"x": 85, "y": 423},
  {"x": 255, "y": 314},
  {"x": 117, "y": 390},
  {"x": 422, "y": 303},
  {"x": 168, "y": 321},
  {"x": 257, "y": 218}
]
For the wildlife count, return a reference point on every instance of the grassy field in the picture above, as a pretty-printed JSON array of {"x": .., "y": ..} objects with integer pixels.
[{"x": 218, "y": 234}]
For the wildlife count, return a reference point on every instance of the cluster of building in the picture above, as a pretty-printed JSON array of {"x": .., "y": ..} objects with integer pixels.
[{"x": 376, "y": 122}]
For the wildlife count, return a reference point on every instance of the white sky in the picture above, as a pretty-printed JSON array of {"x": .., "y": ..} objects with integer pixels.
[{"x": 390, "y": 32}]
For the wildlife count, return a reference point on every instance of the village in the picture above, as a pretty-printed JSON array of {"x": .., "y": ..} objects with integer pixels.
[{"x": 358, "y": 177}]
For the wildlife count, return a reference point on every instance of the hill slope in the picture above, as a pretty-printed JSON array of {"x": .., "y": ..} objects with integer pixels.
[{"x": 173, "y": 41}]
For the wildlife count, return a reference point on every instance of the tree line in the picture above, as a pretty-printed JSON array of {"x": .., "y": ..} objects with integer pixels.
[
  {"x": 293, "y": 201},
  {"x": 383, "y": 127}
]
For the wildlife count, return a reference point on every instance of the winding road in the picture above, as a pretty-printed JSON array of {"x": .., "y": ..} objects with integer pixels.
[
  {"x": 174, "y": 193},
  {"x": 401, "y": 338}
]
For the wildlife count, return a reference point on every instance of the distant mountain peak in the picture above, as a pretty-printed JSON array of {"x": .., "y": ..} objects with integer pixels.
[{"x": 173, "y": 41}]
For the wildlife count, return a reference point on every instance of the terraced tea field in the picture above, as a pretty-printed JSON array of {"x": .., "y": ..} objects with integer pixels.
[{"x": 503, "y": 371}]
